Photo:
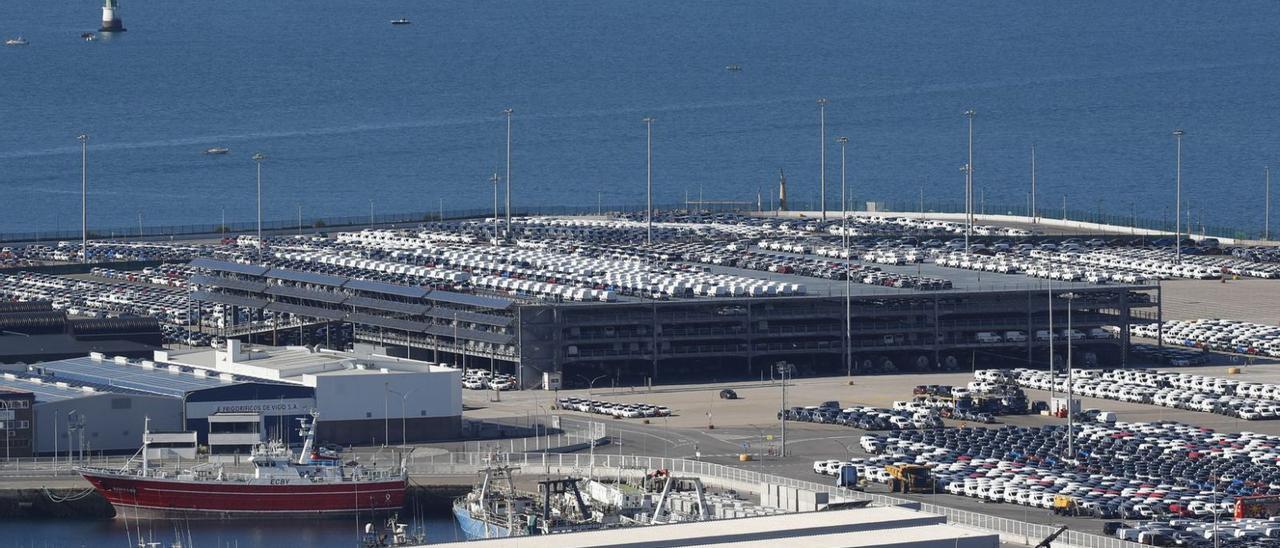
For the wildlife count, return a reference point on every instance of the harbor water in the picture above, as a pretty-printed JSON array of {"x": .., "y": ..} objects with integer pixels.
[
  {"x": 355, "y": 114},
  {"x": 439, "y": 527}
]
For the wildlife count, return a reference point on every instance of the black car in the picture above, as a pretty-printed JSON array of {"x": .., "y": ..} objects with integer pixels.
[{"x": 728, "y": 394}]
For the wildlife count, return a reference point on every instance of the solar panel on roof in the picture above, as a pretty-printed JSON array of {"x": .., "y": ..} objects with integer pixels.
[
  {"x": 390, "y": 323},
  {"x": 306, "y": 277},
  {"x": 389, "y": 289},
  {"x": 226, "y": 266},
  {"x": 469, "y": 300}
]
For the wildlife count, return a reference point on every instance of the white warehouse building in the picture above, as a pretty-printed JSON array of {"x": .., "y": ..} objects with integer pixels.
[{"x": 363, "y": 397}]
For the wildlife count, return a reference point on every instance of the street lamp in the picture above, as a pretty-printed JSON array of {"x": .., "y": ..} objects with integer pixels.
[
  {"x": 403, "y": 398},
  {"x": 784, "y": 369},
  {"x": 258, "y": 157},
  {"x": 84, "y": 196},
  {"x": 1034, "y": 217},
  {"x": 822, "y": 154},
  {"x": 507, "y": 233},
  {"x": 7, "y": 405},
  {"x": 648, "y": 123},
  {"x": 1070, "y": 388},
  {"x": 1177, "y": 205},
  {"x": 968, "y": 189},
  {"x": 495, "y": 179},
  {"x": 844, "y": 236},
  {"x": 1266, "y": 208}
]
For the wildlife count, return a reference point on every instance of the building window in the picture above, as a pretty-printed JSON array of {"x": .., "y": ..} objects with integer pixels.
[
  {"x": 368, "y": 415},
  {"x": 122, "y": 403}
]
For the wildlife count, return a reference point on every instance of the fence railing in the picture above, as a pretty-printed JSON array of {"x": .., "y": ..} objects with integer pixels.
[
  {"x": 1011, "y": 530},
  {"x": 1165, "y": 223}
]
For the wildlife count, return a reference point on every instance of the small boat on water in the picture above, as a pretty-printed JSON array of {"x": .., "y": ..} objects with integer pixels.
[
  {"x": 88, "y": 36},
  {"x": 18, "y": 41},
  {"x": 733, "y": 68},
  {"x": 401, "y": 21},
  {"x": 217, "y": 150}
]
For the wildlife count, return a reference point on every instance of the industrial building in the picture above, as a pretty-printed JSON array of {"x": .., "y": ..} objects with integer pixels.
[
  {"x": 635, "y": 340},
  {"x": 362, "y": 398},
  {"x": 199, "y": 392},
  {"x": 33, "y": 331},
  {"x": 87, "y": 418}
]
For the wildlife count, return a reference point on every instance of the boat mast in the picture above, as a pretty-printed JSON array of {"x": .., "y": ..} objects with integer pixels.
[{"x": 146, "y": 440}]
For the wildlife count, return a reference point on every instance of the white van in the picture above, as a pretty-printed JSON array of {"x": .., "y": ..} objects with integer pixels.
[
  {"x": 1108, "y": 417},
  {"x": 1015, "y": 336},
  {"x": 987, "y": 337}
]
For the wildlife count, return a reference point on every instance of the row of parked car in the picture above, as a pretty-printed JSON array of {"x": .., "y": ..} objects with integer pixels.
[
  {"x": 1248, "y": 401},
  {"x": 1215, "y": 334},
  {"x": 613, "y": 409},
  {"x": 1127, "y": 470},
  {"x": 479, "y": 379},
  {"x": 864, "y": 417}
]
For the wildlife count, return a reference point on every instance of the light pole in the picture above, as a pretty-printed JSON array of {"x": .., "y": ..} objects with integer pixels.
[
  {"x": 84, "y": 197},
  {"x": 783, "y": 369},
  {"x": 648, "y": 123},
  {"x": 386, "y": 413},
  {"x": 822, "y": 154},
  {"x": 1266, "y": 208},
  {"x": 258, "y": 157},
  {"x": 968, "y": 187},
  {"x": 6, "y": 423},
  {"x": 403, "y": 399},
  {"x": 1034, "y": 218},
  {"x": 495, "y": 179},
  {"x": 1071, "y": 416},
  {"x": 1177, "y": 205},
  {"x": 508, "y": 227},
  {"x": 844, "y": 237}
]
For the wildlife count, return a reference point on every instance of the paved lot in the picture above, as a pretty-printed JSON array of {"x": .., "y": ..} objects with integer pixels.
[
  {"x": 1250, "y": 300},
  {"x": 752, "y": 421}
]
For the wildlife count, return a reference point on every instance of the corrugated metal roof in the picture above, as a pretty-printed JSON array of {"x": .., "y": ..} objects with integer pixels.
[{"x": 159, "y": 381}]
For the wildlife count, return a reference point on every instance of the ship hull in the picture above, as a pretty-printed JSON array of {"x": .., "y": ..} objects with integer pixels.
[
  {"x": 135, "y": 497},
  {"x": 476, "y": 529}
]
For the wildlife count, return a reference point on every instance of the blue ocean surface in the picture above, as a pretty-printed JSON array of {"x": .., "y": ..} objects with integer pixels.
[{"x": 354, "y": 113}]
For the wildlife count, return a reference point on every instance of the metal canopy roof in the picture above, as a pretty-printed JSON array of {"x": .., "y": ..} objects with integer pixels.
[
  {"x": 389, "y": 289},
  {"x": 466, "y": 316},
  {"x": 390, "y": 323},
  {"x": 229, "y": 283},
  {"x": 227, "y": 266},
  {"x": 234, "y": 300},
  {"x": 470, "y": 300},
  {"x": 308, "y": 294},
  {"x": 311, "y": 311},
  {"x": 160, "y": 380},
  {"x": 392, "y": 306},
  {"x": 306, "y": 277}
]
